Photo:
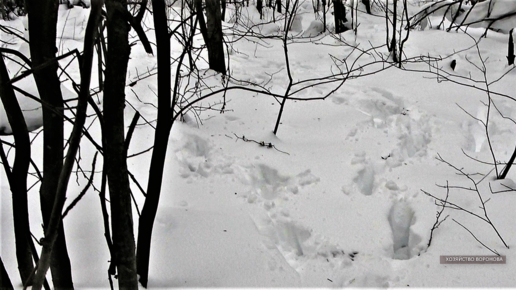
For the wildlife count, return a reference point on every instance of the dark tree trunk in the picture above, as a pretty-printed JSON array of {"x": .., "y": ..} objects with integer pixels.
[
  {"x": 393, "y": 44},
  {"x": 214, "y": 23},
  {"x": 223, "y": 13},
  {"x": 42, "y": 17},
  {"x": 324, "y": 14},
  {"x": 117, "y": 59},
  {"x": 163, "y": 126},
  {"x": 52, "y": 230},
  {"x": 212, "y": 33},
  {"x": 367, "y": 5},
  {"x": 259, "y": 7},
  {"x": 5, "y": 282},
  {"x": 510, "y": 49},
  {"x": 278, "y": 5},
  {"x": 18, "y": 177},
  {"x": 339, "y": 12}
]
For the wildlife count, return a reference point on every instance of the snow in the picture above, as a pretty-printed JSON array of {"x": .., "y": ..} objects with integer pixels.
[
  {"x": 337, "y": 201},
  {"x": 494, "y": 14}
]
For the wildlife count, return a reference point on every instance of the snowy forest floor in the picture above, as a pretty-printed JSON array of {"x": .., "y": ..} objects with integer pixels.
[{"x": 338, "y": 201}]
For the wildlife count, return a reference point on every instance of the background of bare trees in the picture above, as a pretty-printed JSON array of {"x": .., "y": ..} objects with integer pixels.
[{"x": 182, "y": 86}]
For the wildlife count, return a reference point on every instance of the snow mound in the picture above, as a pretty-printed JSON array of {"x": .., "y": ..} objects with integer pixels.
[
  {"x": 494, "y": 14},
  {"x": 297, "y": 24},
  {"x": 31, "y": 108},
  {"x": 267, "y": 29},
  {"x": 315, "y": 28}
]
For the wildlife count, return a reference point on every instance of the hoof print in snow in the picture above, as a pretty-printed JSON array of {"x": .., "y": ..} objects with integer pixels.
[{"x": 401, "y": 218}]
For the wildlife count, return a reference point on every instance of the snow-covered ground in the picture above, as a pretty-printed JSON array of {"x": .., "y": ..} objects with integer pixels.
[{"x": 340, "y": 202}]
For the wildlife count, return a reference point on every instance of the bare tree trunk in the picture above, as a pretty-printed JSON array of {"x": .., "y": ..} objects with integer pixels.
[
  {"x": 510, "y": 49},
  {"x": 117, "y": 59},
  {"x": 339, "y": 12},
  {"x": 51, "y": 231},
  {"x": 259, "y": 7},
  {"x": 324, "y": 14},
  {"x": 42, "y": 17},
  {"x": 393, "y": 47},
  {"x": 5, "y": 282},
  {"x": 289, "y": 19},
  {"x": 223, "y": 15},
  {"x": 163, "y": 126},
  {"x": 367, "y": 5},
  {"x": 18, "y": 177},
  {"x": 212, "y": 33}
]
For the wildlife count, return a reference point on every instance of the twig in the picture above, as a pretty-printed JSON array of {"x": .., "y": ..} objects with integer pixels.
[
  {"x": 261, "y": 143},
  {"x": 83, "y": 192},
  {"x": 438, "y": 215},
  {"x": 493, "y": 251},
  {"x": 485, "y": 218}
]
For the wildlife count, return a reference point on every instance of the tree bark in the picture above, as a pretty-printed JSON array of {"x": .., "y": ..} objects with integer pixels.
[
  {"x": 223, "y": 13},
  {"x": 212, "y": 33},
  {"x": 339, "y": 12},
  {"x": 367, "y": 5},
  {"x": 51, "y": 231},
  {"x": 393, "y": 46},
  {"x": 117, "y": 59},
  {"x": 324, "y": 14},
  {"x": 259, "y": 7},
  {"x": 161, "y": 135},
  {"x": 42, "y": 17},
  {"x": 18, "y": 177}
]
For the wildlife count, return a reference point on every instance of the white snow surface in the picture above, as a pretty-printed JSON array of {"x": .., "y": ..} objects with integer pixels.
[
  {"x": 498, "y": 15},
  {"x": 339, "y": 203}
]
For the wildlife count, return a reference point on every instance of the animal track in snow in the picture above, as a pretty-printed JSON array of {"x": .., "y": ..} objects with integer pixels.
[
  {"x": 415, "y": 132},
  {"x": 196, "y": 157},
  {"x": 267, "y": 183},
  {"x": 401, "y": 218},
  {"x": 364, "y": 181},
  {"x": 412, "y": 128},
  {"x": 300, "y": 247},
  {"x": 378, "y": 104}
]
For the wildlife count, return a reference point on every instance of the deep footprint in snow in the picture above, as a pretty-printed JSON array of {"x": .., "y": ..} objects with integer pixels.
[
  {"x": 401, "y": 218},
  {"x": 198, "y": 157},
  {"x": 265, "y": 181},
  {"x": 365, "y": 179},
  {"x": 303, "y": 250}
]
